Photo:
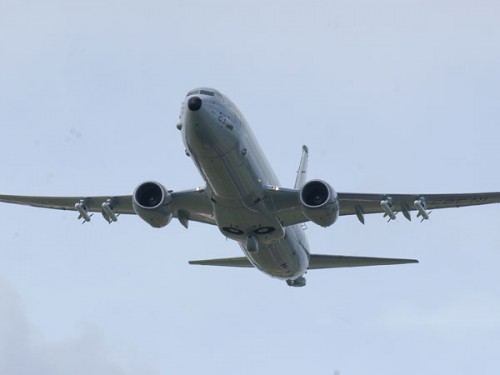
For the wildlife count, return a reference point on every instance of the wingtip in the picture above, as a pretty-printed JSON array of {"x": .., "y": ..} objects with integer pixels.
[{"x": 408, "y": 261}]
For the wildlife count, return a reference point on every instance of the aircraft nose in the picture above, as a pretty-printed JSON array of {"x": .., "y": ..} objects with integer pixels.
[{"x": 194, "y": 103}]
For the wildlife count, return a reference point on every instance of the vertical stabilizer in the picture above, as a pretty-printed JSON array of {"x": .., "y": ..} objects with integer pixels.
[{"x": 302, "y": 172}]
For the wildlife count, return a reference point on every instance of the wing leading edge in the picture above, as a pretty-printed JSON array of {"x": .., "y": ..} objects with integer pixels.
[
  {"x": 370, "y": 203},
  {"x": 195, "y": 206},
  {"x": 285, "y": 203},
  {"x": 192, "y": 205}
]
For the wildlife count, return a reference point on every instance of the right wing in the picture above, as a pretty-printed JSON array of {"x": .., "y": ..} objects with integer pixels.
[
  {"x": 192, "y": 205},
  {"x": 285, "y": 203},
  {"x": 361, "y": 203},
  {"x": 371, "y": 202}
]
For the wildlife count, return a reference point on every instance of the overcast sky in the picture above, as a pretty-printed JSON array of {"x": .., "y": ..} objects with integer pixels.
[{"x": 390, "y": 97}]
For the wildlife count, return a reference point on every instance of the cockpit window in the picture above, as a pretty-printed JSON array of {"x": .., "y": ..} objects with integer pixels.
[
  {"x": 201, "y": 92},
  {"x": 205, "y": 92}
]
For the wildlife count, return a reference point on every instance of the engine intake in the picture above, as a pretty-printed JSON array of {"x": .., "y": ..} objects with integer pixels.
[
  {"x": 153, "y": 203},
  {"x": 319, "y": 203}
]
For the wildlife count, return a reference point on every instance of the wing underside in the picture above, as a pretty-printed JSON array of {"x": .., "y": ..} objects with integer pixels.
[
  {"x": 285, "y": 203},
  {"x": 370, "y": 203},
  {"x": 192, "y": 205}
]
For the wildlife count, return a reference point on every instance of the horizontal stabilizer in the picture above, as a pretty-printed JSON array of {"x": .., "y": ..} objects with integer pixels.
[
  {"x": 337, "y": 261},
  {"x": 225, "y": 262},
  {"x": 316, "y": 262}
]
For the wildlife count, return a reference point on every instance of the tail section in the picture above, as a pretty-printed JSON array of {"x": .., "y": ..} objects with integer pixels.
[
  {"x": 316, "y": 262},
  {"x": 338, "y": 261},
  {"x": 302, "y": 172}
]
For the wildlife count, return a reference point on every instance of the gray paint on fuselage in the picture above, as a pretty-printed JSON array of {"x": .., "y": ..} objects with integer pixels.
[{"x": 227, "y": 155}]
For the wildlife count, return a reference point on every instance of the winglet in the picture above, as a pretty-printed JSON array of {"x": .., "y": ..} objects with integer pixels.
[{"x": 302, "y": 171}]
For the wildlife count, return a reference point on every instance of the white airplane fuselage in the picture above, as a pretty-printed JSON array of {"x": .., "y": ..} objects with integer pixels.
[{"x": 221, "y": 144}]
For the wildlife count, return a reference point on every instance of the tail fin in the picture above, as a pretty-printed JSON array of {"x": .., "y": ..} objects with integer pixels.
[{"x": 302, "y": 172}]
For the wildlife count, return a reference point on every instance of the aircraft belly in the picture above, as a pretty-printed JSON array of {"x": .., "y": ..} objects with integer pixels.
[
  {"x": 283, "y": 259},
  {"x": 237, "y": 172},
  {"x": 229, "y": 178}
]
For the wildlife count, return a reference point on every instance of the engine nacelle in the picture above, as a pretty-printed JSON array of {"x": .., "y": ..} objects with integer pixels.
[
  {"x": 319, "y": 203},
  {"x": 153, "y": 204}
]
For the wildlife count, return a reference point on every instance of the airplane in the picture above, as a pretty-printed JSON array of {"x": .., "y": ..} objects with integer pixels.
[{"x": 244, "y": 199}]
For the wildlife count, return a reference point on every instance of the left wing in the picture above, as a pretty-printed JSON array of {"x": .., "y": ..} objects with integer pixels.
[
  {"x": 189, "y": 204},
  {"x": 285, "y": 203}
]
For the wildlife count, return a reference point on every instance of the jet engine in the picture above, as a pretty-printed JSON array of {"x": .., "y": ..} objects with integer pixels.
[
  {"x": 319, "y": 203},
  {"x": 153, "y": 204}
]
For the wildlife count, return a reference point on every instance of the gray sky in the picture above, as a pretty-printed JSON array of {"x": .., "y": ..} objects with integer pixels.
[{"x": 389, "y": 96}]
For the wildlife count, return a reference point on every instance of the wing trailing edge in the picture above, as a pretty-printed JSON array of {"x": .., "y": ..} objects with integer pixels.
[{"x": 187, "y": 205}]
